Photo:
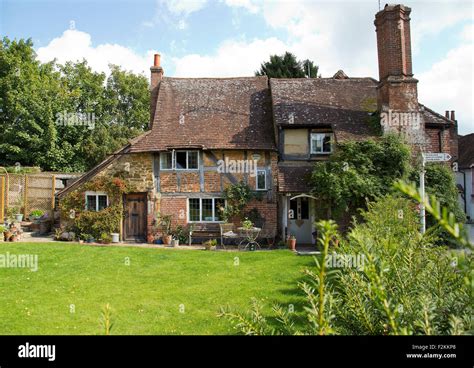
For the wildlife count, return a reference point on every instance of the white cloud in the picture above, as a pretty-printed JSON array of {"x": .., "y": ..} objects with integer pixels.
[
  {"x": 185, "y": 7},
  {"x": 74, "y": 45},
  {"x": 325, "y": 34},
  {"x": 431, "y": 18},
  {"x": 467, "y": 33},
  {"x": 448, "y": 85},
  {"x": 250, "y": 5},
  {"x": 233, "y": 58}
]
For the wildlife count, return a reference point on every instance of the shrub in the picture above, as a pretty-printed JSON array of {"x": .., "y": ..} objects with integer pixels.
[
  {"x": 96, "y": 223},
  {"x": 359, "y": 171},
  {"x": 405, "y": 284}
]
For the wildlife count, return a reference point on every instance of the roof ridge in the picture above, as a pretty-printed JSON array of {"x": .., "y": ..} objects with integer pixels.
[{"x": 217, "y": 78}]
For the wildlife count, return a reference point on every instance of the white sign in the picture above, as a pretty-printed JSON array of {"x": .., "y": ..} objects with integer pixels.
[{"x": 436, "y": 157}]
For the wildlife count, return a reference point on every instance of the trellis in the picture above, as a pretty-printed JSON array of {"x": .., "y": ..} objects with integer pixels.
[{"x": 27, "y": 191}]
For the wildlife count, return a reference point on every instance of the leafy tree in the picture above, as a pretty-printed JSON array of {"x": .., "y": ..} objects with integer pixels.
[
  {"x": 35, "y": 97},
  {"x": 30, "y": 95},
  {"x": 287, "y": 66},
  {"x": 310, "y": 69},
  {"x": 440, "y": 182}
]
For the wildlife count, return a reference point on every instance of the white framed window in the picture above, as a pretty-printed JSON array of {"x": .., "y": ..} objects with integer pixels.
[
  {"x": 261, "y": 180},
  {"x": 205, "y": 209},
  {"x": 96, "y": 201},
  {"x": 179, "y": 160},
  {"x": 321, "y": 143}
]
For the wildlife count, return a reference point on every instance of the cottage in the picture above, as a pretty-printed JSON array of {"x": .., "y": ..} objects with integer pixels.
[{"x": 209, "y": 133}]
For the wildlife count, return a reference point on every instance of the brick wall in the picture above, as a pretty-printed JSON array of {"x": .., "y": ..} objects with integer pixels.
[{"x": 177, "y": 186}]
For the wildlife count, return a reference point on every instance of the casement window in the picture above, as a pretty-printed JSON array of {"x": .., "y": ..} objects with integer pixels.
[
  {"x": 321, "y": 143},
  {"x": 166, "y": 160},
  {"x": 261, "y": 180},
  {"x": 179, "y": 160},
  {"x": 205, "y": 209},
  {"x": 96, "y": 201}
]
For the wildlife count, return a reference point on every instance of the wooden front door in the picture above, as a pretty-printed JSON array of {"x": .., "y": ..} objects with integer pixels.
[{"x": 134, "y": 222}]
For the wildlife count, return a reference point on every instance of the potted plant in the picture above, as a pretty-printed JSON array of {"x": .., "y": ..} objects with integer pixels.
[
  {"x": 35, "y": 215},
  {"x": 165, "y": 223},
  {"x": 247, "y": 224},
  {"x": 292, "y": 242},
  {"x": 105, "y": 238},
  {"x": 179, "y": 236},
  {"x": 211, "y": 244},
  {"x": 44, "y": 224},
  {"x": 58, "y": 233},
  {"x": 18, "y": 208},
  {"x": 115, "y": 237},
  {"x": 150, "y": 238}
]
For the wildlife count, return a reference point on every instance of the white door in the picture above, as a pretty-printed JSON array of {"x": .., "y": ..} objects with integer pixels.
[{"x": 300, "y": 220}]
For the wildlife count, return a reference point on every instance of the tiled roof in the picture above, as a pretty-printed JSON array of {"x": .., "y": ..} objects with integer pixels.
[
  {"x": 432, "y": 117},
  {"x": 343, "y": 104},
  {"x": 294, "y": 178},
  {"x": 211, "y": 113},
  {"x": 466, "y": 151}
]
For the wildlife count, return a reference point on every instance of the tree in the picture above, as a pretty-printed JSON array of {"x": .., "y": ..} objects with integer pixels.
[
  {"x": 30, "y": 95},
  {"x": 36, "y": 100},
  {"x": 287, "y": 66}
]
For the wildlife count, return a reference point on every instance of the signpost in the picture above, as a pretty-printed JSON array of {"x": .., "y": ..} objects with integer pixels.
[{"x": 428, "y": 157}]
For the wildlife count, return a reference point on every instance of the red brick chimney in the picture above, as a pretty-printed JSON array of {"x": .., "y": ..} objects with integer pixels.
[
  {"x": 397, "y": 89},
  {"x": 156, "y": 76}
]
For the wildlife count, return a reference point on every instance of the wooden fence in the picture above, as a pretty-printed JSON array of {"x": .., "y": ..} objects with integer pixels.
[{"x": 28, "y": 192}]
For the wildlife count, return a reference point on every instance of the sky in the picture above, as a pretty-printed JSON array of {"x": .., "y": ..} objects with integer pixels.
[{"x": 225, "y": 38}]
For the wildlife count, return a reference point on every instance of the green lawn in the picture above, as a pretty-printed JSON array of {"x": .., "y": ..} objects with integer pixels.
[{"x": 145, "y": 295}]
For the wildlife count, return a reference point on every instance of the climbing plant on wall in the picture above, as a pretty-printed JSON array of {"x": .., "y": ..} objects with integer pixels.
[{"x": 95, "y": 223}]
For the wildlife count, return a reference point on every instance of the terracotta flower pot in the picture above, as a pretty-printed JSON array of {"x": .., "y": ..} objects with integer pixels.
[
  {"x": 167, "y": 239},
  {"x": 7, "y": 235},
  {"x": 150, "y": 239},
  {"x": 292, "y": 244}
]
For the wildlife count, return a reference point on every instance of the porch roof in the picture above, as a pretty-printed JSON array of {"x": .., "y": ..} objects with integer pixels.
[{"x": 294, "y": 179}]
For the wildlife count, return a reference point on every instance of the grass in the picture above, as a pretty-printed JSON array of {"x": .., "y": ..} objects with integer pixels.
[{"x": 161, "y": 291}]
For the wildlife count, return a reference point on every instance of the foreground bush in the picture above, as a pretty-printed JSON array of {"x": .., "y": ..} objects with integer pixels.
[{"x": 402, "y": 283}]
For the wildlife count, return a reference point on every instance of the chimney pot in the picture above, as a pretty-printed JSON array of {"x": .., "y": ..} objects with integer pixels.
[
  {"x": 156, "y": 61},
  {"x": 452, "y": 115},
  {"x": 446, "y": 114}
]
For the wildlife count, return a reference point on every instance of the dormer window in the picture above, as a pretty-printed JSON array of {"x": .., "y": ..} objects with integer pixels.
[{"x": 321, "y": 143}]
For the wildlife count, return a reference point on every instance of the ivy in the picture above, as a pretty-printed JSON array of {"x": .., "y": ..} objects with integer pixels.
[
  {"x": 237, "y": 196},
  {"x": 95, "y": 223},
  {"x": 360, "y": 171}
]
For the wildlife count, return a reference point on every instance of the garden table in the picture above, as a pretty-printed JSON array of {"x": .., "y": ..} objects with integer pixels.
[{"x": 249, "y": 236}]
